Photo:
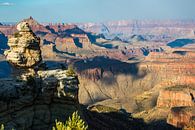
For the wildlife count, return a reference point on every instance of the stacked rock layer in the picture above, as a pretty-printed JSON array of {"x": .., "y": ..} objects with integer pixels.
[{"x": 24, "y": 47}]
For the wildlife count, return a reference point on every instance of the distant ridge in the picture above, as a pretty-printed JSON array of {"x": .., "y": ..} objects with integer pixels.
[{"x": 31, "y": 21}]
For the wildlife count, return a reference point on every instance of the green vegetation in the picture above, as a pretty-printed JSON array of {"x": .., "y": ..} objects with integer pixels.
[
  {"x": 2, "y": 127},
  {"x": 73, "y": 123},
  {"x": 70, "y": 72}
]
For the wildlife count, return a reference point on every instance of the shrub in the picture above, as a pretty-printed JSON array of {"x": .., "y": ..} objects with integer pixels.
[
  {"x": 73, "y": 123},
  {"x": 2, "y": 127},
  {"x": 70, "y": 71}
]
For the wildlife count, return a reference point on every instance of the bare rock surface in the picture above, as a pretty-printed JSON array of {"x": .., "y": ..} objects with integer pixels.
[
  {"x": 182, "y": 117},
  {"x": 33, "y": 99},
  {"x": 39, "y": 101},
  {"x": 176, "y": 96},
  {"x": 24, "y": 47}
]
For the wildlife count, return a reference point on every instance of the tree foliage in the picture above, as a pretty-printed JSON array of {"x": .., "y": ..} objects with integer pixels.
[{"x": 73, "y": 123}]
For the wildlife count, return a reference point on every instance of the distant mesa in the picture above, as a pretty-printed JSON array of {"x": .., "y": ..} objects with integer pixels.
[
  {"x": 1, "y": 24},
  {"x": 180, "y": 43},
  {"x": 116, "y": 38},
  {"x": 137, "y": 38}
]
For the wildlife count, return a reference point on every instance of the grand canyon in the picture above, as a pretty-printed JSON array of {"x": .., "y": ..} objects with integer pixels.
[{"x": 129, "y": 74}]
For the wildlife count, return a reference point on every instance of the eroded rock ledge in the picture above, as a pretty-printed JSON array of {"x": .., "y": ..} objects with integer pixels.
[
  {"x": 180, "y": 100},
  {"x": 37, "y": 102}
]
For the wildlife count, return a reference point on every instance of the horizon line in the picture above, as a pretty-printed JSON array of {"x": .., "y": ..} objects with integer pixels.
[{"x": 106, "y": 21}]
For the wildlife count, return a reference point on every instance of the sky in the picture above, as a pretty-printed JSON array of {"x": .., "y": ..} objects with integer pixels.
[{"x": 95, "y": 10}]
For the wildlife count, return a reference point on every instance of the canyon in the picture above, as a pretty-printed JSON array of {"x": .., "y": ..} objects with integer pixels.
[{"x": 142, "y": 69}]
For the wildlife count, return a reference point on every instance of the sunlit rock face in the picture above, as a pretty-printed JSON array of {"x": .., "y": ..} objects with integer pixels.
[
  {"x": 182, "y": 117},
  {"x": 176, "y": 96},
  {"x": 24, "y": 47}
]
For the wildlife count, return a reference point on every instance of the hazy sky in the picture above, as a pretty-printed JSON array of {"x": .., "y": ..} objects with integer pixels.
[{"x": 95, "y": 10}]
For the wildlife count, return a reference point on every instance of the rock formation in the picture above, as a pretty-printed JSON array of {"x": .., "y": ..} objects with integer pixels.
[
  {"x": 180, "y": 101},
  {"x": 24, "y": 47},
  {"x": 35, "y": 26},
  {"x": 39, "y": 101},
  {"x": 34, "y": 101},
  {"x": 176, "y": 96},
  {"x": 182, "y": 117}
]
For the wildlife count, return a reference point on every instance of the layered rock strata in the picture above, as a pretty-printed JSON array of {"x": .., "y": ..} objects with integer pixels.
[
  {"x": 182, "y": 117},
  {"x": 176, "y": 96},
  {"x": 24, "y": 47}
]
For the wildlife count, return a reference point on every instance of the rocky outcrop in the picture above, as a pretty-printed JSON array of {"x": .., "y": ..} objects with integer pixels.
[
  {"x": 37, "y": 28},
  {"x": 37, "y": 102},
  {"x": 83, "y": 40},
  {"x": 24, "y": 47},
  {"x": 182, "y": 117},
  {"x": 61, "y": 79},
  {"x": 33, "y": 98},
  {"x": 176, "y": 96}
]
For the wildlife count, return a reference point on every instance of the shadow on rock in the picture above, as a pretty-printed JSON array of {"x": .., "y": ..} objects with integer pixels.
[{"x": 121, "y": 121}]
